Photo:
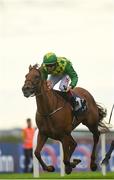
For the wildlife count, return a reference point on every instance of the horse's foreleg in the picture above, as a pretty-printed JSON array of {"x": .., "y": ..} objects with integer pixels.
[
  {"x": 96, "y": 135},
  {"x": 73, "y": 145},
  {"x": 41, "y": 139},
  {"x": 66, "y": 151}
]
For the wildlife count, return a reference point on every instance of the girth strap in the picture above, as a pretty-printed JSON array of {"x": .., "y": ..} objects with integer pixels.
[{"x": 53, "y": 112}]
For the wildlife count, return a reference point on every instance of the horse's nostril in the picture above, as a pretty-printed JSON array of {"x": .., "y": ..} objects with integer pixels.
[{"x": 27, "y": 88}]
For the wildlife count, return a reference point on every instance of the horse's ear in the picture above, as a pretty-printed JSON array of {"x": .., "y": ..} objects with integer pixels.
[
  {"x": 36, "y": 66},
  {"x": 30, "y": 67}
]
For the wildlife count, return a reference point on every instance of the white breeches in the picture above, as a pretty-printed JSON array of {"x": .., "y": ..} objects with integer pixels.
[{"x": 64, "y": 81}]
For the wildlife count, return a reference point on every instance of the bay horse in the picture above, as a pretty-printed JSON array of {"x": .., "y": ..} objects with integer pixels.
[{"x": 54, "y": 118}]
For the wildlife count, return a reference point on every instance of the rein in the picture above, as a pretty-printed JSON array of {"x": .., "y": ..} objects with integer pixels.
[{"x": 53, "y": 112}]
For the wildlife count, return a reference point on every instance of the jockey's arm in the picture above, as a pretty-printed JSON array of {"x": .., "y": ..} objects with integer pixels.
[{"x": 72, "y": 74}]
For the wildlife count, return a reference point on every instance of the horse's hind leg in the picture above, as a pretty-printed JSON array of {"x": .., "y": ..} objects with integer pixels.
[
  {"x": 96, "y": 135},
  {"x": 41, "y": 139}
]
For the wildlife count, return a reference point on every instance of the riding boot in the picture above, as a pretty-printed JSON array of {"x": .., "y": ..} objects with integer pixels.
[
  {"x": 72, "y": 100},
  {"x": 79, "y": 105},
  {"x": 74, "y": 103}
]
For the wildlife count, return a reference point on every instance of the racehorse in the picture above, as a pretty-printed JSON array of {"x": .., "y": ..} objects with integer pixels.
[{"x": 54, "y": 118}]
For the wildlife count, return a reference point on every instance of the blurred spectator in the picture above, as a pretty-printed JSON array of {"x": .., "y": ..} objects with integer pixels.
[{"x": 27, "y": 135}]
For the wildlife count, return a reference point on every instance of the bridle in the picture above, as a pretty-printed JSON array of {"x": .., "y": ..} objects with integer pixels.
[{"x": 40, "y": 94}]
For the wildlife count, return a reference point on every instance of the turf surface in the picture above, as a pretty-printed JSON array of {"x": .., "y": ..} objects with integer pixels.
[{"x": 74, "y": 175}]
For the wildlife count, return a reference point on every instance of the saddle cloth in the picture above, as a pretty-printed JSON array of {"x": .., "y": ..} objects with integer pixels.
[{"x": 80, "y": 106}]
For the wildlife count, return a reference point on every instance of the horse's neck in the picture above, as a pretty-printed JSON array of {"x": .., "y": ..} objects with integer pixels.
[{"x": 46, "y": 100}]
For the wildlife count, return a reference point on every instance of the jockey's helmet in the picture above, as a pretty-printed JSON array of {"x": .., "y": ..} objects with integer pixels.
[{"x": 50, "y": 58}]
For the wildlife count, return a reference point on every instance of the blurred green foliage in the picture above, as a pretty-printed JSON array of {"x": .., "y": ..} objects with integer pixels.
[{"x": 10, "y": 139}]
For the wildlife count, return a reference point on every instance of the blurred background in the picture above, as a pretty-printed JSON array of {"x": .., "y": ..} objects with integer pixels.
[{"x": 80, "y": 30}]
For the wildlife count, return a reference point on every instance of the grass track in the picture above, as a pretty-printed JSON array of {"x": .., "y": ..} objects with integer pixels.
[{"x": 74, "y": 175}]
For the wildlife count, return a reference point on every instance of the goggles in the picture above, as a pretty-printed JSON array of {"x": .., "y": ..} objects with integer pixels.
[{"x": 50, "y": 65}]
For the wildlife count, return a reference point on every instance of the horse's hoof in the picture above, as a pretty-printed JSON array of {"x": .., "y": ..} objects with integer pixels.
[
  {"x": 75, "y": 162},
  {"x": 50, "y": 169},
  {"x": 68, "y": 169},
  {"x": 72, "y": 164},
  {"x": 94, "y": 167},
  {"x": 105, "y": 162}
]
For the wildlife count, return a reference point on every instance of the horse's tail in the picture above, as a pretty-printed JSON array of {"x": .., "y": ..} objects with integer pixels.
[
  {"x": 102, "y": 126},
  {"x": 102, "y": 112}
]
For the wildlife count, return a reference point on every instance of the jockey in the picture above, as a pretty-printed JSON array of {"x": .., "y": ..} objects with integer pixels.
[{"x": 60, "y": 69}]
